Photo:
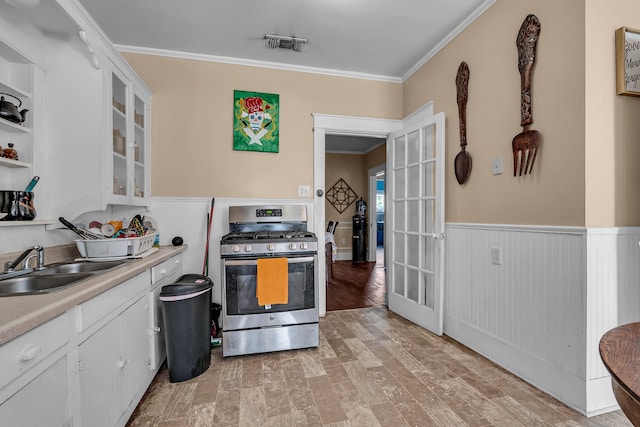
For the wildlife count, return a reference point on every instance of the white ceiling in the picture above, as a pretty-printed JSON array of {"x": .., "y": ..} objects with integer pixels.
[
  {"x": 382, "y": 38},
  {"x": 376, "y": 39}
]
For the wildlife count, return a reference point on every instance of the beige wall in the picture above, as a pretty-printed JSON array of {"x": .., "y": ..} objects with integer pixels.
[
  {"x": 192, "y": 124},
  {"x": 354, "y": 169},
  {"x": 351, "y": 168},
  {"x": 612, "y": 136},
  {"x": 586, "y": 171},
  {"x": 375, "y": 157},
  {"x": 554, "y": 193}
]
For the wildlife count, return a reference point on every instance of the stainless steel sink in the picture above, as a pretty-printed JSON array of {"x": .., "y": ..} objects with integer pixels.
[
  {"x": 38, "y": 284},
  {"x": 54, "y": 277},
  {"x": 77, "y": 267}
]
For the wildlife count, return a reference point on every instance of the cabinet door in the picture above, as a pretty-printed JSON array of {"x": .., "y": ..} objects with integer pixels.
[
  {"x": 100, "y": 366},
  {"x": 158, "y": 340},
  {"x": 134, "y": 350},
  {"x": 128, "y": 154},
  {"x": 42, "y": 402},
  {"x": 121, "y": 136},
  {"x": 141, "y": 149}
]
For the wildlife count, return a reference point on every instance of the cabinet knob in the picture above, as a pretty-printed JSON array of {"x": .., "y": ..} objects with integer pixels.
[
  {"x": 29, "y": 352},
  {"x": 123, "y": 362}
]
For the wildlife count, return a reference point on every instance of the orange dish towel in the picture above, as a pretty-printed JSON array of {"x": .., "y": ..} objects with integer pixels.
[{"x": 272, "y": 282}]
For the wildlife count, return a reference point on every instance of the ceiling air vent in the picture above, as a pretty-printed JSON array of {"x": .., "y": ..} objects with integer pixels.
[{"x": 283, "y": 42}]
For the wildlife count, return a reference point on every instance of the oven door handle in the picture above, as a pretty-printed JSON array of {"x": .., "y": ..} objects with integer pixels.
[{"x": 290, "y": 260}]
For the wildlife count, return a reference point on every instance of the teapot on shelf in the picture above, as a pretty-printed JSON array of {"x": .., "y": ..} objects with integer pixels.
[{"x": 10, "y": 112}]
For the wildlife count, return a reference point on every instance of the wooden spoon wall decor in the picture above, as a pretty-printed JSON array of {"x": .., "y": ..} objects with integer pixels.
[{"x": 462, "y": 162}]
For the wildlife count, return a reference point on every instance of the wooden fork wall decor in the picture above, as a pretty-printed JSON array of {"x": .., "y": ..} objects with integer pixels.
[{"x": 525, "y": 144}]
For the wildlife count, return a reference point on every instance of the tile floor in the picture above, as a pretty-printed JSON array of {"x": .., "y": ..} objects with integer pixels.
[{"x": 372, "y": 368}]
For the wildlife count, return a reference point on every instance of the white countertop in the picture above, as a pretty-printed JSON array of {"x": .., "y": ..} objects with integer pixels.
[{"x": 19, "y": 314}]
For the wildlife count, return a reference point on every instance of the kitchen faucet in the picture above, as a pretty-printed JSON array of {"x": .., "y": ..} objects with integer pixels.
[{"x": 11, "y": 266}]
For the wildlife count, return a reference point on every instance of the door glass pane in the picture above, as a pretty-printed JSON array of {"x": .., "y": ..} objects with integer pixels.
[
  {"x": 413, "y": 147},
  {"x": 120, "y": 137},
  {"x": 413, "y": 181},
  {"x": 398, "y": 241},
  {"x": 429, "y": 290},
  {"x": 398, "y": 279},
  {"x": 429, "y": 252},
  {"x": 413, "y": 250},
  {"x": 429, "y": 150},
  {"x": 429, "y": 213},
  {"x": 398, "y": 216},
  {"x": 399, "y": 184},
  {"x": 429, "y": 177},
  {"x": 138, "y": 147},
  {"x": 413, "y": 216},
  {"x": 413, "y": 285},
  {"x": 399, "y": 152}
]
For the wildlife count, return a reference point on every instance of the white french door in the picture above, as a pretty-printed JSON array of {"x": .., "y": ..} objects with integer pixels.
[{"x": 414, "y": 229}]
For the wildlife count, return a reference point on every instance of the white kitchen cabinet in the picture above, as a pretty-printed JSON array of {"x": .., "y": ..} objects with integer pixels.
[
  {"x": 113, "y": 363},
  {"x": 68, "y": 75},
  {"x": 16, "y": 86},
  {"x": 99, "y": 372},
  {"x": 33, "y": 380},
  {"x": 114, "y": 366},
  {"x": 134, "y": 351},
  {"x": 163, "y": 274},
  {"x": 42, "y": 402},
  {"x": 89, "y": 366},
  {"x": 128, "y": 154}
]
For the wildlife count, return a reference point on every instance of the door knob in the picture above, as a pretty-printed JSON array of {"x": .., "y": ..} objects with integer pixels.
[{"x": 319, "y": 193}]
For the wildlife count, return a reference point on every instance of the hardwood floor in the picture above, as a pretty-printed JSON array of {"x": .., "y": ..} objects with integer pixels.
[
  {"x": 372, "y": 368},
  {"x": 357, "y": 285}
]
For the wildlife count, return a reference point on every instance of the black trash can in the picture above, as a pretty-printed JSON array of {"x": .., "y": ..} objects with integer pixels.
[{"x": 187, "y": 324}]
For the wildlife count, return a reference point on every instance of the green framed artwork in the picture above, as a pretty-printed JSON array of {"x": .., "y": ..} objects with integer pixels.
[{"x": 256, "y": 118}]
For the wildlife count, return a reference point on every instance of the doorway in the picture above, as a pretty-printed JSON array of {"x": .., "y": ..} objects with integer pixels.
[
  {"x": 336, "y": 125},
  {"x": 356, "y": 273}
]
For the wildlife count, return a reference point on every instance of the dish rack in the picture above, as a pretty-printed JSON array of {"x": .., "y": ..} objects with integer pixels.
[{"x": 117, "y": 247}]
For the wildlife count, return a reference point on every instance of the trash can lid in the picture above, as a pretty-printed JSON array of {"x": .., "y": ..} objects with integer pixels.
[
  {"x": 177, "y": 292},
  {"x": 194, "y": 279}
]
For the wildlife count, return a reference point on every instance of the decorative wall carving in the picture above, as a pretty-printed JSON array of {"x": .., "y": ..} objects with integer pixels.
[{"x": 341, "y": 196}]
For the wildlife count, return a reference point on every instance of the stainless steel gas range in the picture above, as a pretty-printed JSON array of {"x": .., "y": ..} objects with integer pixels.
[{"x": 259, "y": 237}]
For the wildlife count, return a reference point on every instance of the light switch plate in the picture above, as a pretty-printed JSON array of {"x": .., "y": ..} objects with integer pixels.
[
  {"x": 497, "y": 165},
  {"x": 303, "y": 191}
]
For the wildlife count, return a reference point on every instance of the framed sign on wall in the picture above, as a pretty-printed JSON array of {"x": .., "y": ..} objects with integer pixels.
[{"x": 627, "y": 61}]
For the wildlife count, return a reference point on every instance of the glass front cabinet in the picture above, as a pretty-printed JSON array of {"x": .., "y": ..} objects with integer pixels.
[{"x": 127, "y": 175}]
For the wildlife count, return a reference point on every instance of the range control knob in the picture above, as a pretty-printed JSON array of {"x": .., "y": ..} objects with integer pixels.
[
  {"x": 247, "y": 248},
  {"x": 271, "y": 247},
  {"x": 303, "y": 246},
  {"x": 236, "y": 248},
  {"x": 292, "y": 246}
]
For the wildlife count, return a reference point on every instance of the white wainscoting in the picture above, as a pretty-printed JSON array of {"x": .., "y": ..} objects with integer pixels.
[{"x": 541, "y": 313}]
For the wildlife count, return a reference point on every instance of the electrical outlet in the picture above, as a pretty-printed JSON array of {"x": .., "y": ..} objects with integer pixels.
[
  {"x": 496, "y": 256},
  {"x": 303, "y": 191},
  {"x": 497, "y": 165},
  {"x": 344, "y": 241}
]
